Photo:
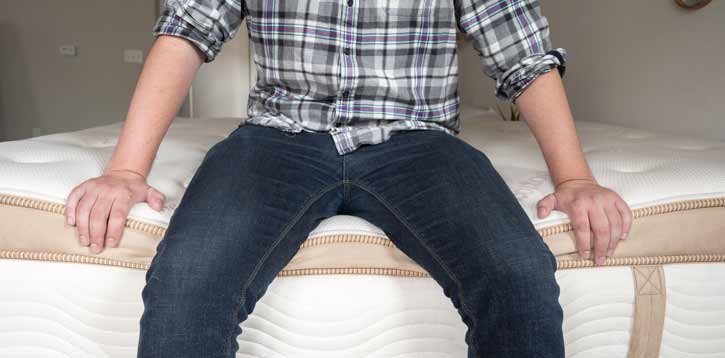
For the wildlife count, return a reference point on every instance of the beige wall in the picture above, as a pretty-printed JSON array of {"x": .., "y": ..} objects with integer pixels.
[
  {"x": 221, "y": 88},
  {"x": 40, "y": 88},
  {"x": 644, "y": 64}
]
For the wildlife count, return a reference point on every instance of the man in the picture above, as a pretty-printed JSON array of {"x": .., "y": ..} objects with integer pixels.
[{"x": 355, "y": 111}]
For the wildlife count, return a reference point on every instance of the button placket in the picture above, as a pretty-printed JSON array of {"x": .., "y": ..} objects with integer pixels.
[{"x": 346, "y": 64}]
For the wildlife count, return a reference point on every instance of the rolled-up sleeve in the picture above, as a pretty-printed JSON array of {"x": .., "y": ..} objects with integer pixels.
[
  {"x": 208, "y": 24},
  {"x": 512, "y": 40}
]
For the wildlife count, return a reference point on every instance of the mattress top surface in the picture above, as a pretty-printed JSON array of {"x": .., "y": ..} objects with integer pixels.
[{"x": 645, "y": 167}]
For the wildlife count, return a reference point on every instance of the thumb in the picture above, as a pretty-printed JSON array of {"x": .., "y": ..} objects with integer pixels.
[
  {"x": 546, "y": 205},
  {"x": 155, "y": 198}
]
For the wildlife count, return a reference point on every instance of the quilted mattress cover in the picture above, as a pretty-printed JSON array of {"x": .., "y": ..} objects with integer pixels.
[
  {"x": 674, "y": 184},
  {"x": 61, "y": 310}
]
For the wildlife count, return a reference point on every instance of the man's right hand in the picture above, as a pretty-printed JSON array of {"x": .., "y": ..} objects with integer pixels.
[{"x": 98, "y": 207}]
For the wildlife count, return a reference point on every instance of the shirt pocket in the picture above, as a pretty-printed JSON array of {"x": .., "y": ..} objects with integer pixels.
[{"x": 409, "y": 8}]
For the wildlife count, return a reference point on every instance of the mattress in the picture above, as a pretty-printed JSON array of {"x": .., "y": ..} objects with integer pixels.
[
  {"x": 47, "y": 314},
  {"x": 646, "y": 301}
]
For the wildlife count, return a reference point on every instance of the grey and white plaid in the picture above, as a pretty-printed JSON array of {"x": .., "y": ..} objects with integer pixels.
[{"x": 363, "y": 69}]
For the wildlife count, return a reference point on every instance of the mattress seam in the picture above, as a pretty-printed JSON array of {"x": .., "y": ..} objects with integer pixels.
[
  {"x": 158, "y": 230},
  {"x": 366, "y": 239},
  {"x": 561, "y": 264}
]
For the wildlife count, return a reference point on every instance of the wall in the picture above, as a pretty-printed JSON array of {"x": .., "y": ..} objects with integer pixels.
[
  {"x": 40, "y": 88},
  {"x": 474, "y": 88},
  {"x": 221, "y": 88},
  {"x": 644, "y": 64}
]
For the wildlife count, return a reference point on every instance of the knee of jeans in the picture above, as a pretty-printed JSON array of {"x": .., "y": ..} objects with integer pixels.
[
  {"x": 529, "y": 269},
  {"x": 173, "y": 276}
]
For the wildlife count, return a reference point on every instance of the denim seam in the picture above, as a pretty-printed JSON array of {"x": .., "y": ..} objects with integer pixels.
[
  {"x": 397, "y": 215},
  {"x": 345, "y": 181},
  {"x": 312, "y": 199}
]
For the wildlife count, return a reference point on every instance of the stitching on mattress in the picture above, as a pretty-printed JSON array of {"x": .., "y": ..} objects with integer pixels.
[
  {"x": 347, "y": 238},
  {"x": 561, "y": 264},
  {"x": 158, "y": 230},
  {"x": 657, "y": 209}
]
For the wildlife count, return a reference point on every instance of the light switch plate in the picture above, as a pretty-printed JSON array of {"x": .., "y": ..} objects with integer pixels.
[
  {"x": 68, "y": 50},
  {"x": 132, "y": 56}
]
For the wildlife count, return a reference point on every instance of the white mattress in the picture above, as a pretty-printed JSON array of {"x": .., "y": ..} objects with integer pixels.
[
  {"x": 61, "y": 309},
  {"x": 644, "y": 167},
  {"x": 49, "y": 315}
]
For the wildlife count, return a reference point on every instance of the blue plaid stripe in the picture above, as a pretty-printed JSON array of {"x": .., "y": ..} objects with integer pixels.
[{"x": 363, "y": 69}]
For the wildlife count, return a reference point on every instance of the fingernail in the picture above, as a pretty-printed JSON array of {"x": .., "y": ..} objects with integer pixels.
[
  {"x": 111, "y": 242},
  {"x": 95, "y": 248},
  {"x": 83, "y": 240},
  {"x": 600, "y": 260},
  {"x": 587, "y": 254},
  {"x": 68, "y": 220},
  {"x": 624, "y": 236}
]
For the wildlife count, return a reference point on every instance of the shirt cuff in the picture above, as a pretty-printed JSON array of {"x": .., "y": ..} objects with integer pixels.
[
  {"x": 514, "y": 81},
  {"x": 170, "y": 23}
]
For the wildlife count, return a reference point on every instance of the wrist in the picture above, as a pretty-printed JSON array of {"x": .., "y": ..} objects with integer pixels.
[
  {"x": 590, "y": 180},
  {"x": 129, "y": 171}
]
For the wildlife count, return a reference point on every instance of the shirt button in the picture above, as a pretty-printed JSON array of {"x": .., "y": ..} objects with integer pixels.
[
  {"x": 346, "y": 50},
  {"x": 349, "y": 2}
]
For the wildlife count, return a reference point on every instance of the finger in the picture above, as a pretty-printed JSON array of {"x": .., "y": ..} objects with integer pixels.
[
  {"x": 546, "y": 205},
  {"x": 582, "y": 232},
  {"x": 600, "y": 227},
  {"x": 615, "y": 227},
  {"x": 98, "y": 222},
  {"x": 626, "y": 212},
  {"x": 72, "y": 202},
  {"x": 155, "y": 199},
  {"x": 83, "y": 211},
  {"x": 117, "y": 221}
]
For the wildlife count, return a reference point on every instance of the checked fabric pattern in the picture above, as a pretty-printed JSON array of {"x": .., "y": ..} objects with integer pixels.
[{"x": 363, "y": 69}]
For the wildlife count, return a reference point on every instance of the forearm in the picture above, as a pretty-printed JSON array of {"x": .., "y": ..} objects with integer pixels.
[
  {"x": 545, "y": 109},
  {"x": 162, "y": 86}
]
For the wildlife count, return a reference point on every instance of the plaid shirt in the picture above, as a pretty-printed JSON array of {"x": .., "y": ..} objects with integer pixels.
[{"x": 363, "y": 69}]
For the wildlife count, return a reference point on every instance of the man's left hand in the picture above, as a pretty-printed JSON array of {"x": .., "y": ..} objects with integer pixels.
[{"x": 593, "y": 211}]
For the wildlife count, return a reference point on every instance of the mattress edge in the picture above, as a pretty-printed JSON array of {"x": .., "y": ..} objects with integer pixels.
[{"x": 140, "y": 239}]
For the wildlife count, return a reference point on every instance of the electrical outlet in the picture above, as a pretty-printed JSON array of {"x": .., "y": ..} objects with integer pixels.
[
  {"x": 68, "y": 50},
  {"x": 132, "y": 56}
]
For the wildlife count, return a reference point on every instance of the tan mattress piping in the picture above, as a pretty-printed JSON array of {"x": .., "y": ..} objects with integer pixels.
[
  {"x": 561, "y": 264},
  {"x": 157, "y": 230}
]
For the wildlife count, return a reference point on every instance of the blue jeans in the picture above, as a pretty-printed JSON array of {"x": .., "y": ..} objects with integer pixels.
[{"x": 259, "y": 192}]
